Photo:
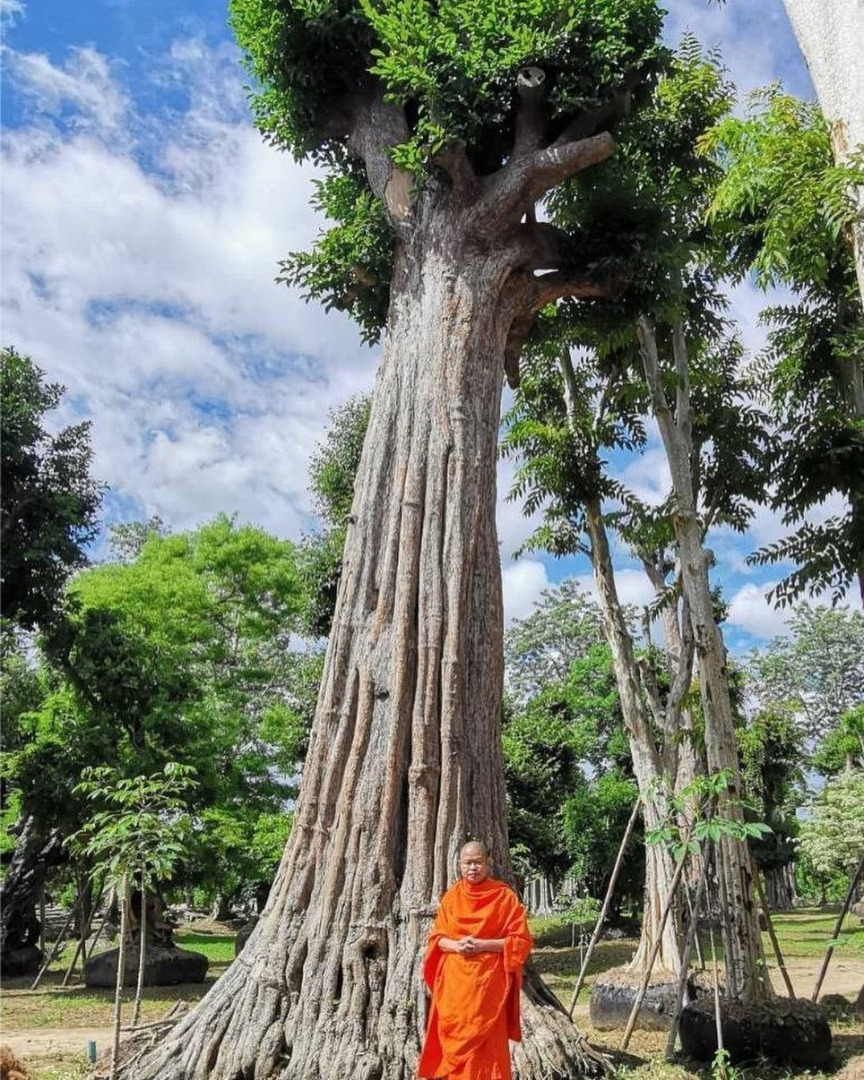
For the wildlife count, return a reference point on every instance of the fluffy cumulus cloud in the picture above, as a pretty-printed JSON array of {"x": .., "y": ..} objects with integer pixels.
[
  {"x": 522, "y": 581},
  {"x": 139, "y": 257},
  {"x": 751, "y": 612}
]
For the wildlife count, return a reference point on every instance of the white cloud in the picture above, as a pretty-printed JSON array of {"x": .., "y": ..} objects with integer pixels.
[
  {"x": 522, "y": 582},
  {"x": 10, "y": 12},
  {"x": 633, "y": 587},
  {"x": 750, "y": 611},
  {"x": 139, "y": 273},
  {"x": 83, "y": 84},
  {"x": 647, "y": 476}
]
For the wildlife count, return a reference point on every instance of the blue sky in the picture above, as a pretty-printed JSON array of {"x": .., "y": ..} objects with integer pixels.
[{"x": 143, "y": 220}]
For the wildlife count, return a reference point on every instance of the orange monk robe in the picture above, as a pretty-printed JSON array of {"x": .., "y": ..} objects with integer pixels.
[{"x": 475, "y": 999}]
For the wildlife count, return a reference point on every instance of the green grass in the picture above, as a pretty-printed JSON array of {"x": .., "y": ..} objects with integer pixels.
[{"x": 218, "y": 948}]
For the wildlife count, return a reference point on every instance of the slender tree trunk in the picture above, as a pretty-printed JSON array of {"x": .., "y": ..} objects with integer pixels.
[
  {"x": 746, "y": 973},
  {"x": 405, "y": 758},
  {"x": 648, "y": 766},
  {"x": 121, "y": 974},
  {"x": 142, "y": 955},
  {"x": 648, "y": 763}
]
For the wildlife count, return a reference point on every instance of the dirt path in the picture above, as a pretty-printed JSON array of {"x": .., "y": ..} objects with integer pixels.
[
  {"x": 844, "y": 977},
  {"x": 41, "y": 1046}
]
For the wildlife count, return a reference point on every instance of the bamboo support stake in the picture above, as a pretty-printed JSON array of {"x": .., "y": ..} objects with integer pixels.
[
  {"x": 74, "y": 962},
  {"x": 142, "y": 955},
  {"x": 667, "y": 907},
  {"x": 58, "y": 944},
  {"x": 769, "y": 922},
  {"x": 601, "y": 918},
  {"x": 853, "y": 883},
  {"x": 692, "y": 935}
]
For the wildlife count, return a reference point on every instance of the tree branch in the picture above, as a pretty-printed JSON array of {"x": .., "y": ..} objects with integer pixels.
[
  {"x": 376, "y": 129},
  {"x": 513, "y": 189},
  {"x": 532, "y": 116},
  {"x": 558, "y": 284},
  {"x": 454, "y": 161}
]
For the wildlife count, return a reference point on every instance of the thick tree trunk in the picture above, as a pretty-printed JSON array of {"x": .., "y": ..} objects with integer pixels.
[
  {"x": 20, "y": 892},
  {"x": 831, "y": 36},
  {"x": 780, "y": 887},
  {"x": 405, "y": 759},
  {"x": 746, "y": 977}
]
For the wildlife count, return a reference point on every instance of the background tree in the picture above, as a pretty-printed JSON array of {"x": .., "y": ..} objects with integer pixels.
[
  {"x": 817, "y": 670},
  {"x": 540, "y": 649},
  {"x": 182, "y": 654},
  {"x": 50, "y": 504},
  {"x": 332, "y": 470},
  {"x": 832, "y": 837},
  {"x": 843, "y": 747},
  {"x": 771, "y": 753},
  {"x": 416, "y": 114},
  {"x": 786, "y": 210},
  {"x": 139, "y": 835}
]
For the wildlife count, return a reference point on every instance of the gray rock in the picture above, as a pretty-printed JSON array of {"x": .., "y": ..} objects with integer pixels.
[{"x": 163, "y": 967}]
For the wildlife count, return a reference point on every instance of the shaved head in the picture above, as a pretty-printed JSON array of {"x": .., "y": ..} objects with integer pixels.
[
  {"x": 474, "y": 845},
  {"x": 474, "y": 861}
]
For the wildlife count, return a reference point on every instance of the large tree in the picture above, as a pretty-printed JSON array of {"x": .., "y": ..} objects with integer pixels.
[
  {"x": 440, "y": 127},
  {"x": 49, "y": 501}
]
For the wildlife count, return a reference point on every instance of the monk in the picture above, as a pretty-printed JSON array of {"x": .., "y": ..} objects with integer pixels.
[{"x": 477, "y": 948}]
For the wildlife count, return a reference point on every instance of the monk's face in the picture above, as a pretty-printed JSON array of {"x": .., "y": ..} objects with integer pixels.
[{"x": 473, "y": 863}]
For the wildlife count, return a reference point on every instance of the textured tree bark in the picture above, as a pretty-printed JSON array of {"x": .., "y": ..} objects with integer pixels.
[
  {"x": 20, "y": 890},
  {"x": 746, "y": 973},
  {"x": 831, "y": 36},
  {"x": 405, "y": 759},
  {"x": 780, "y": 887}
]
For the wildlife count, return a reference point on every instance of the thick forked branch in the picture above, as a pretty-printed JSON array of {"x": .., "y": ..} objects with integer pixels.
[
  {"x": 558, "y": 285},
  {"x": 527, "y": 177},
  {"x": 378, "y": 127},
  {"x": 535, "y": 293}
]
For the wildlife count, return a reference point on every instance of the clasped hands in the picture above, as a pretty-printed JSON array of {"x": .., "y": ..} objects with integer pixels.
[{"x": 467, "y": 946}]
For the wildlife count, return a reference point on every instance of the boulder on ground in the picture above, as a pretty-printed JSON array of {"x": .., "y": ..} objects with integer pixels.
[
  {"x": 859, "y": 1005},
  {"x": 164, "y": 966},
  {"x": 24, "y": 960}
]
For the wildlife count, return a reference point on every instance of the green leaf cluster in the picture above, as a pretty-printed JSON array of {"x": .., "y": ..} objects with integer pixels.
[
  {"x": 49, "y": 503},
  {"x": 785, "y": 211}
]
